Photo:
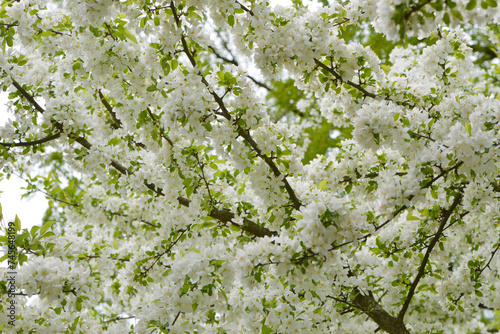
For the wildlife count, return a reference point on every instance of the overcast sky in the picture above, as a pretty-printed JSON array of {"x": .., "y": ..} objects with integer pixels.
[{"x": 30, "y": 210}]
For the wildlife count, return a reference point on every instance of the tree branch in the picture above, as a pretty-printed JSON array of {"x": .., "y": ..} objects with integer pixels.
[
  {"x": 487, "y": 265},
  {"x": 32, "y": 143},
  {"x": 235, "y": 62},
  {"x": 226, "y": 114},
  {"x": 28, "y": 96},
  {"x": 118, "y": 318},
  {"x": 245, "y": 8},
  {"x": 223, "y": 215},
  {"x": 339, "y": 77},
  {"x": 444, "y": 218},
  {"x": 372, "y": 308},
  {"x": 117, "y": 123}
]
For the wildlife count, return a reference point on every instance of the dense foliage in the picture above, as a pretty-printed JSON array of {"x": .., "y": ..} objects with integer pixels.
[{"x": 237, "y": 166}]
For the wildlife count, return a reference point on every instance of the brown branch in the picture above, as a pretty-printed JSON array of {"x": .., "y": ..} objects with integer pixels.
[
  {"x": 226, "y": 114},
  {"x": 402, "y": 208},
  {"x": 117, "y": 123},
  {"x": 245, "y": 8},
  {"x": 176, "y": 317},
  {"x": 243, "y": 133},
  {"x": 258, "y": 83},
  {"x": 109, "y": 257},
  {"x": 416, "y": 8},
  {"x": 28, "y": 96},
  {"x": 119, "y": 318},
  {"x": 33, "y": 186},
  {"x": 201, "y": 165},
  {"x": 157, "y": 8},
  {"x": 487, "y": 265},
  {"x": 162, "y": 133},
  {"x": 444, "y": 218},
  {"x": 223, "y": 215},
  {"x": 159, "y": 255},
  {"x": 227, "y": 60},
  {"x": 235, "y": 62},
  {"x": 32, "y": 143},
  {"x": 341, "y": 22},
  {"x": 372, "y": 308},
  {"x": 339, "y": 77},
  {"x": 110, "y": 33},
  {"x": 249, "y": 226}
]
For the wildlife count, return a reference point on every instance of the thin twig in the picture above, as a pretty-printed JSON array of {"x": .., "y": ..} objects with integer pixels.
[
  {"x": 223, "y": 215},
  {"x": 444, "y": 218},
  {"x": 226, "y": 114},
  {"x": 119, "y": 318},
  {"x": 339, "y": 77}
]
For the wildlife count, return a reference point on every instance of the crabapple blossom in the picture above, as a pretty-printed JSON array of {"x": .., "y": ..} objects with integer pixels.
[{"x": 248, "y": 166}]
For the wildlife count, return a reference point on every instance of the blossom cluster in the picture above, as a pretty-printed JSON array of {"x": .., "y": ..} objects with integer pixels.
[{"x": 240, "y": 166}]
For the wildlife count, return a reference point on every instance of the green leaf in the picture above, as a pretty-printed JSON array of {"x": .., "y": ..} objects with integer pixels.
[
  {"x": 75, "y": 322},
  {"x": 190, "y": 190},
  {"x": 230, "y": 20},
  {"x": 47, "y": 234},
  {"x": 457, "y": 14},
  {"x": 434, "y": 194},
  {"x": 9, "y": 40},
  {"x": 78, "y": 305},
  {"x": 17, "y": 223},
  {"x": 114, "y": 141},
  {"x": 468, "y": 128},
  {"x": 174, "y": 63},
  {"x": 438, "y": 5},
  {"x": 265, "y": 330},
  {"x": 411, "y": 217},
  {"x": 124, "y": 31},
  {"x": 348, "y": 188},
  {"x": 46, "y": 226},
  {"x": 446, "y": 18},
  {"x": 34, "y": 229},
  {"x": 322, "y": 185},
  {"x": 471, "y": 5}
]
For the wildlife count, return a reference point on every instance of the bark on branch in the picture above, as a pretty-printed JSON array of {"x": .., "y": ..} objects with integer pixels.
[
  {"x": 245, "y": 134},
  {"x": 444, "y": 219},
  {"x": 222, "y": 215},
  {"x": 34, "y": 142},
  {"x": 339, "y": 77},
  {"x": 372, "y": 308}
]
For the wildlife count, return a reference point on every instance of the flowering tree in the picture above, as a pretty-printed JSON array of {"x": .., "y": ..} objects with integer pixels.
[{"x": 232, "y": 166}]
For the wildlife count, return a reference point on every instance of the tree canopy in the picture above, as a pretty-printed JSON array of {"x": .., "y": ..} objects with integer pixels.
[{"x": 241, "y": 166}]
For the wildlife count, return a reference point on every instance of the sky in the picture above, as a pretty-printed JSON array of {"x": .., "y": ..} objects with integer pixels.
[{"x": 30, "y": 210}]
